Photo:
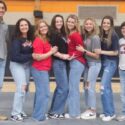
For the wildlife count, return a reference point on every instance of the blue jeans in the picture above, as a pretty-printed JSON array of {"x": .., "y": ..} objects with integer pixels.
[
  {"x": 108, "y": 69},
  {"x": 21, "y": 76},
  {"x": 122, "y": 82},
  {"x": 41, "y": 79},
  {"x": 76, "y": 70},
  {"x": 92, "y": 71},
  {"x": 2, "y": 71},
  {"x": 61, "y": 91}
]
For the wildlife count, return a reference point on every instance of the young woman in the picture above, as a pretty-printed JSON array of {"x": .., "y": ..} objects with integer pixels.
[
  {"x": 92, "y": 43},
  {"x": 109, "y": 52},
  {"x": 58, "y": 38},
  {"x": 77, "y": 65},
  {"x": 122, "y": 70},
  {"x": 42, "y": 62},
  {"x": 21, "y": 57}
]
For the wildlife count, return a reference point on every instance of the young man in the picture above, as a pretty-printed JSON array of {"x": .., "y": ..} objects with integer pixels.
[{"x": 3, "y": 45}]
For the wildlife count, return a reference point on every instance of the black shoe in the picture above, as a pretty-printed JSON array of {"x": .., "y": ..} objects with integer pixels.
[
  {"x": 16, "y": 118},
  {"x": 56, "y": 116},
  {"x": 24, "y": 115}
]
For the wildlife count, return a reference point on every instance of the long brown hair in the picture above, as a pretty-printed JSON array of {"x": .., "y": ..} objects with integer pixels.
[
  {"x": 53, "y": 26},
  {"x": 107, "y": 39}
]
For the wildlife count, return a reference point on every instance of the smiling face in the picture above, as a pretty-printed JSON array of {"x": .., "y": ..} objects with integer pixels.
[
  {"x": 71, "y": 24},
  {"x": 58, "y": 23},
  {"x": 89, "y": 26},
  {"x": 43, "y": 28},
  {"x": 123, "y": 31},
  {"x": 2, "y": 10},
  {"x": 106, "y": 25},
  {"x": 24, "y": 27}
]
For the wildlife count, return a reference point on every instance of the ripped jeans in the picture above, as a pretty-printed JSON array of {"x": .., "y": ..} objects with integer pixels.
[
  {"x": 108, "y": 70},
  {"x": 21, "y": 76},
  {"x": 90, "y": 76}
]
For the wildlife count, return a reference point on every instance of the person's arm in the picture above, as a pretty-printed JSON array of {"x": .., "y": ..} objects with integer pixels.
[
  {"x": 40, "y": 57},
  {"x": 109, "y": 53},
  {"x": 114, "y": 51},
  {"x": 88, "y": 53}
]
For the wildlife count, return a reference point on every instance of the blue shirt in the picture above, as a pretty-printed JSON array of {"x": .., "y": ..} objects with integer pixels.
[
  {"x": 21, "y": 50},
  {"x": 113, "y": 47}
]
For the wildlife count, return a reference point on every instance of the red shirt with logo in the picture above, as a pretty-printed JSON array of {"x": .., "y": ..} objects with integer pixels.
[{"x": 74, "y": 40}]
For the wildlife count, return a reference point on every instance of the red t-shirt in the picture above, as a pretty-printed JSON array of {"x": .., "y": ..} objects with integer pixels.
[
  {"x": 42, "y": 47},
  {"x": 74, "y": 40}
]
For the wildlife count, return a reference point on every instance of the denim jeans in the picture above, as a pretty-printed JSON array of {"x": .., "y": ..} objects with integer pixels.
[
  {"x": 21, "y": 76},
  {"x": 41, "y": 79},
  {"x": 61, "y": 91},
  {"x": 92, "y": 71},
  {"x": 108, "y": 69},
  {"x": 2, "y": 71},
  {"x": 76, "y": 70},
  {"x": 122, "y": 82}
]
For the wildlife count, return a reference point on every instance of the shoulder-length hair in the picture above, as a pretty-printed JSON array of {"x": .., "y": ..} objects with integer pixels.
[
  {"x": 53, "y": 26},
  {"x": 18, "y": 34},
  {"x": 122, "y": 25},
  {"x": 95, "y": 30},
  {"x": 37, "y": 29},
  {"x": 107, "y": 39},
  {"x": 77, "y": 27}
]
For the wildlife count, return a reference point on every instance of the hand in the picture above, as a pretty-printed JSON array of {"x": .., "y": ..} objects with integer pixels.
[
  {"x": 80, "y": 48},
  {"x": 72, "y": 57},
  {"x": 97, "y": 51},
  {"x": 65, "y": 56},
  {"x": 54, "y": 49},
  {"x": 36, "y": 56}
]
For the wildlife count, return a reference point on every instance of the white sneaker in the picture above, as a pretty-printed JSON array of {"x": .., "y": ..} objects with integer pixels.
[
  {"x": 101, "y": 115},
  {"x": 67, "y": 116},
  {"x": 108, "y": 118},
  {"x": 16, "y": 118},
  {"x": 88, "y": 115},
  {"x": 121, "y": 118}
]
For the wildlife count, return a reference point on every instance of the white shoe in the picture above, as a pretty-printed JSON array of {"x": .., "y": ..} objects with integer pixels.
[
  {"x": 101, "y": 115},
  {"x": 16, "y": 118},
  {"x": 108, "y": 118},
  {"x": 67, "y": 116},
  {"x": 88, "y": 115},
  {"x": 121, "y": 118}
]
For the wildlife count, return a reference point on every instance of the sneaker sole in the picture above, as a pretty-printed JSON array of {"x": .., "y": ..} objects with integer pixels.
[{"x": 87, "y": 118}]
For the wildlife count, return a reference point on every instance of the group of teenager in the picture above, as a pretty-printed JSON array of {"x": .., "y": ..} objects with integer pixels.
[{"x": 55, "y": 47}]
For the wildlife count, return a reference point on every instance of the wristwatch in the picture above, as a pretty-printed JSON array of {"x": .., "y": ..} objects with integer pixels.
[{"x": 85, "y": 52}]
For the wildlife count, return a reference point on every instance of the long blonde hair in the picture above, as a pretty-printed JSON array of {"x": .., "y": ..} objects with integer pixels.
[
  {"x": 95, "y": 30},
  {"x": 37, "y": 30},
  {"x": 77, "y": 28}
]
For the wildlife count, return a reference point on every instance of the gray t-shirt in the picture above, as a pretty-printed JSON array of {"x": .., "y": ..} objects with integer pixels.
[
  {"x": 91, "y": 44},
  {"x": 122, "y": 53},
  {"x": 3, "y": 40}
]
